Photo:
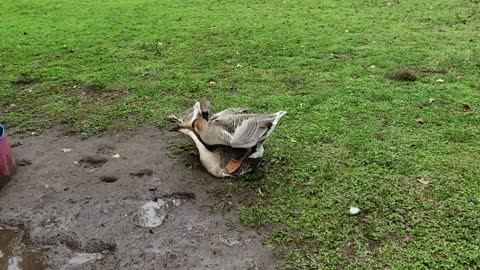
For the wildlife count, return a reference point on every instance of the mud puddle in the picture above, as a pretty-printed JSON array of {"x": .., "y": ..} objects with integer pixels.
[
  {"x": 121, "y": 202},
  {"x": 16, "y": 254}
]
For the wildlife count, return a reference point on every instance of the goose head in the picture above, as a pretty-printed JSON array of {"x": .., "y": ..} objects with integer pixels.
[{"x": 206, "y": 108}]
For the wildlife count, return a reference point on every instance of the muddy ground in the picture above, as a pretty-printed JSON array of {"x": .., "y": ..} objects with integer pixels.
[{"x": 119, "y": 202}]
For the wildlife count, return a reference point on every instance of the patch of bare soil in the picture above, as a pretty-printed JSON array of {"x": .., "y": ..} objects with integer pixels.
[
  {"x": 409, "y": 75},
  {"x": 96, "y": 92},
  {"x": 120, "y": 202}
]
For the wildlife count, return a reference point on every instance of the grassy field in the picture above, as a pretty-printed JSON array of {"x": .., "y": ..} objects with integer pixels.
[{"x": 383, "y": 101}]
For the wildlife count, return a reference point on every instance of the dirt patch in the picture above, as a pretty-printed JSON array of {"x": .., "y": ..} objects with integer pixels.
[
  {"x": 97, "y": 92},
  {"x": 408, "y": 75},
  {"x": 158, "y": 218}
]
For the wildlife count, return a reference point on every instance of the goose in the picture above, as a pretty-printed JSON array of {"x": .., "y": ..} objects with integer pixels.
[
  {"x": 235, "y": 129},
  {"x": 222, "y": 161}
]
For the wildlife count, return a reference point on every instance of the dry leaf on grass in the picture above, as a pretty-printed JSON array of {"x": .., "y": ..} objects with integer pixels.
[
  {"x": 420, "y": 121},
  {"x": 67, "y": 150},
  {"x": 293, "y": 140},
  {"x": 422, "y": 180},
  {"x": 407, "y": 238},
  {"x": 440, "y": 80},
  {"x": 212, "y": 82},
  {"x": 117, "y": 155}
]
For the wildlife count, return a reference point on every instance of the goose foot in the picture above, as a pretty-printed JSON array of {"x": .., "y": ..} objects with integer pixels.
[{"x": 234, "y": 164}]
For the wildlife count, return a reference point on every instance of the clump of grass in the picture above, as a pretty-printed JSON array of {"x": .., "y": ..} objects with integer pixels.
[{"x": 26, "y": 79}]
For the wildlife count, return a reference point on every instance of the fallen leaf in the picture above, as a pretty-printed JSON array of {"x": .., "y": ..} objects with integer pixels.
[
  {"x": 460, "y": 78},
  {"x": 470, "y": 112},
  {"x": 439, "y": 61},
  {"x": 346, "y": 31},
  {"x": 239, "y": 66},
  {"x": 371, "y": 76},
  {"x": 212, "y": 82},
  {"x": 238, "y": 53},
  {"x": 466, "y": 106},
  {"x": 201, "y": 179},
  {"x": 372, "y": 66},
  {"x": 117, "y": 155},
  {"x": 67, "y": 150},
  {"x": 420, "y": 121},
  {"x": 422, "y": 180},
  {"x": 407, "y": 238},
  {"x": 440, "y": 80},
  {"x": 293, "y": 140},
  {"x": 431, "y": 100}
]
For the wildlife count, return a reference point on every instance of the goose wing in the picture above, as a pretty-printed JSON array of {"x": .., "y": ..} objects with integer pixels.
[
  {"x": 228, "y": 111},
  {"x": 230, "y": 122},
  {"x": 250, "y": 131}
]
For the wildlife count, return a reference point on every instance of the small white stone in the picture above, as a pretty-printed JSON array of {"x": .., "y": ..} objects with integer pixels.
[{"x": 354, "y": 210}]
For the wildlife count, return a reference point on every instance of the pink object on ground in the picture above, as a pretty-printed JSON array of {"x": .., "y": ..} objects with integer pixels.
[{"x": 7, "y": 161}]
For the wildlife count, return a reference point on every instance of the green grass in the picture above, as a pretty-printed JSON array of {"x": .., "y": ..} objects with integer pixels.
[{"x": 350, "y": 136}]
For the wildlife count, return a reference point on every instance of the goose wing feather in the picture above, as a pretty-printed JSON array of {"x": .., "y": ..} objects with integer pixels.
[
  {"x": 228, "y": 111},
  {"x": 252, "y": 130},
  {"x": 230, "y": 122}
]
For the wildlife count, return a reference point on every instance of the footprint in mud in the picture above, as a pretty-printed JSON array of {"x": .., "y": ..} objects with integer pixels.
[
  {"x": 106, "y": 149},
  {"x": 142, "y": 173},
  {"x": 92, "y": 162},
  {"x": 108, "y": 179}
]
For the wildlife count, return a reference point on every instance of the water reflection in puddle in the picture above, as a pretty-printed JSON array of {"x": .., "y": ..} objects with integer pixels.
[
  {"x": 15, "y": 253},
  {"x": 153, "y": 213}
]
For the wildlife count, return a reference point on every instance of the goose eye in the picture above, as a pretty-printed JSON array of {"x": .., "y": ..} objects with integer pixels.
[{"x": 205, "y": 115}]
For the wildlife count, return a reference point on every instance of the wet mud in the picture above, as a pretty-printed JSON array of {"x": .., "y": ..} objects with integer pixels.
[{"x": 119, "y": 202}]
